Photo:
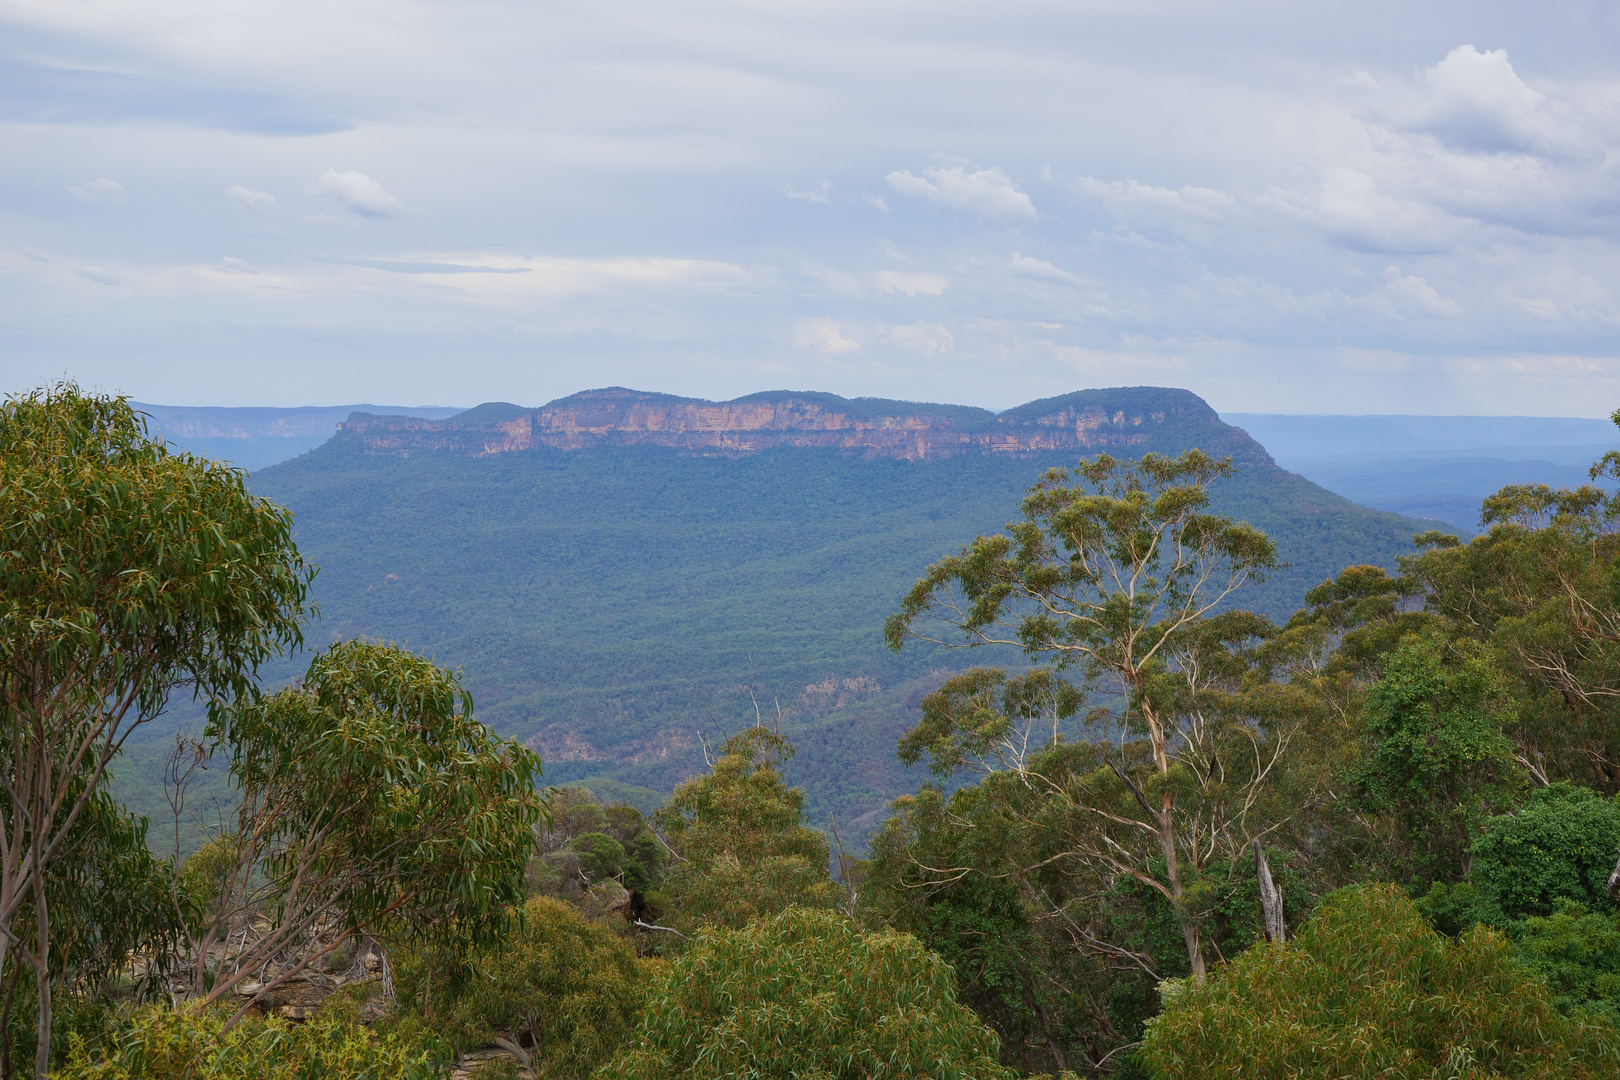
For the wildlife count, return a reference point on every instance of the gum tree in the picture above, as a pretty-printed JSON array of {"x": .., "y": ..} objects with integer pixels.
[
  {"x": 373, "y": 804},
  {"x": 1113, "y": 574},
  {"x": 126, "y": 573}
]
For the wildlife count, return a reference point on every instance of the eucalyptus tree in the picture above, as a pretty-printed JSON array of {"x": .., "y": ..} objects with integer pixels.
[
  {"x": 126, "y": 572},
  {"x": 373, "y": 803},
  {"x": 1116, "y": 573},
  {"x": 741, "y": 848}
]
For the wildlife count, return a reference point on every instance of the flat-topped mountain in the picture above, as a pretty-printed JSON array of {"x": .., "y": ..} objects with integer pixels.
[{"x": 1126, "y": 421}]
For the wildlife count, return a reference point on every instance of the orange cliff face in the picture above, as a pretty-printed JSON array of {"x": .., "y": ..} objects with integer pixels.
[{"x": 1128, "y": 422}]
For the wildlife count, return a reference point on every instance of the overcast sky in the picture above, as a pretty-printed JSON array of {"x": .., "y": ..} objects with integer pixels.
[{"x": 1347, "y": 207}]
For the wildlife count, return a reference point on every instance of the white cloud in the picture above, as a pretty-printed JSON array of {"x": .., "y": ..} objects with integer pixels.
[
  {"x": 100, "y": 191},
  {"x": 876, "y": 282},
  {"x": 97, "y": 275},
  {"x": 1413, "y": 293},
  {"x": 254, "y": 202},
  {"x": 821, "y": 193},
  {"x": 927, "y": 338},
  {"x": 823, "y": 336},
  {"x": 1040, "y": 268},
  {"x": 358, "y": 193},
  {"x": 1130, "y": 197},
  {"x": 1564, "y": 294},
  {"x": 987, "y": 192},
  {"x": 875, "y": 202},
  {"x": 1354, "y": 209},
  {"x": 1476, "y": 101}
]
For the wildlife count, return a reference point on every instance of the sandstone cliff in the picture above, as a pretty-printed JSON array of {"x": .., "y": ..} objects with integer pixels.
[{"x": 1127, "y": 421}]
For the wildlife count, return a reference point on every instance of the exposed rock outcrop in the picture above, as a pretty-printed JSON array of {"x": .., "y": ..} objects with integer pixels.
[{"x": 1127, "y": 421}]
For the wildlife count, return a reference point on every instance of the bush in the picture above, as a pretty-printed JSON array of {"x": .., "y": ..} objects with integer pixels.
[
  {"x": 1368, "y": 989},
  {"x": 1577, "y": 954},
  {"x": 803, "y": 993},
  {"x": 1560, "y": 845},
  {"x": 159, "y": 1043},
  {"x": 566, "y": 985}
]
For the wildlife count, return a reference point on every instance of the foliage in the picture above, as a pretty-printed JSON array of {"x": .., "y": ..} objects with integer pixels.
[
  {"x": 1368, "y": 989},
  {"x": 567, "y": 987},
  {"x": 108, "y": 896},
  {"x": 1439, "y": 762},
  {"x": 743, "y": 848},
  {"x": 159, "y": 1043},
  {"x": 1560, "y": 844},
  {"x": 125, "y": 573},
  {"x": 1543, "y": 587},
  {"x": 1576, "y": 952},
  {"x": 803, "y": 993},
  {"x": 371, "y": 799},
  {"x": 1060, "y": 959},
  {"x": 584, "y": 843},
  {"x": 1116, "y": 572}
]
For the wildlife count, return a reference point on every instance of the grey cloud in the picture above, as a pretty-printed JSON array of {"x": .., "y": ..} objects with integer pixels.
[{"x": 38, "y": 93}]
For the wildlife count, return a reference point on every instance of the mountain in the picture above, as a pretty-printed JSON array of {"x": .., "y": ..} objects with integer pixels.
[
  {"x": 622, "y": 576},
  {"x": 1127, "y": 422},
  {"x": 251, "y": 438}
]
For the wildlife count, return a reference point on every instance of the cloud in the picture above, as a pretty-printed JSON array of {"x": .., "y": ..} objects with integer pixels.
[
  {"x": 873, "y": 282},
  {"x": 1564, "y": 294},
  {"x": 987, "y": 192},
  {"x": 100, "y": 191},
  {"x": 1129, "y": 197},
  {"x": 921, "y": 337},
  {"x": 1040, "y": 268},
  {"x": 818, "y": 194},
  {"x": 823, "y": 336},
  {"x": 1413, "y": 293},
  {"x": 875, "y": 202},
  {"x": 1355, "y": 210},
  {"x": 358, "y": 193},
  {"x": 1476, "y": 101},
  {"x": 254, "y": 202},
  {"x": 97, "y": 275}
]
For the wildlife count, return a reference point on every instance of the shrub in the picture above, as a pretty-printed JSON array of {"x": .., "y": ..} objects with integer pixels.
[
  {"x": 803, "y": 993},
  {"x": 159, "y": 1043},
  {"x": 565, "y": 984},
  {"x": 1368, "y": 989}
]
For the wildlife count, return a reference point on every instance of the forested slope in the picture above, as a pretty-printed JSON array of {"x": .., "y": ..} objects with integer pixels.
[{"x": 611, "y": 604}]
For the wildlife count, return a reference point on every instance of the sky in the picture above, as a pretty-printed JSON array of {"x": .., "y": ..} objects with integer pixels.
[{"x": 1368, "y": 207}]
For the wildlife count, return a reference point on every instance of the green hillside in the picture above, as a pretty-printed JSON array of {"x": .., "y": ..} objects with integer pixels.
[{"x": 612, "y": 604}]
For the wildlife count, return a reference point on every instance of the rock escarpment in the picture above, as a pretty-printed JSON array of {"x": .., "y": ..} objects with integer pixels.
[{"x": 1128, "y": 421}]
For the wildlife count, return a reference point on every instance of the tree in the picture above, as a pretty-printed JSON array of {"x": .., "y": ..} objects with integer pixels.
[
  {"x": 1559, "y": 844},
  {"x": 1117, "y": 578},
  {"x": 803, "y": 993},
  {"x": 566, "y": 987},
  {"x": 373, "y": 803},
  {"x": 1439, "y": 763},
  {"x": 738, "y": 832},
  {"x": 1368, "y": 989},
  {"x": 126, "y": 572},
  {"x": 1542, "y": 585}
]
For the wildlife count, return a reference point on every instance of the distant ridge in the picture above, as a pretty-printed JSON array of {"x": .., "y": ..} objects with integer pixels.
[{"x": 1126, "y": 420}]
